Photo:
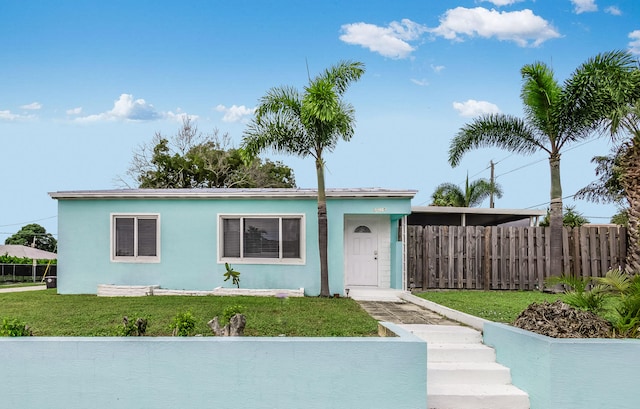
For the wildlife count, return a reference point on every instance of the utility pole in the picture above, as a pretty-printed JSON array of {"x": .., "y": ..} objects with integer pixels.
[{"x": 491, "y": 205}]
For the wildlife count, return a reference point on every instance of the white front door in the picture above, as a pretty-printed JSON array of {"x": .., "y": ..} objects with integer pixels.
[{"x": 361, "y": 237}]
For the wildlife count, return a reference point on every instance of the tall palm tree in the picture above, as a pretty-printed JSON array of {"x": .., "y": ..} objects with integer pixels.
[
  {"x": 630, "y": 179},
  {"x": 555, "y": 116},
  {"x": 307, "y": 123},
  {"x": 616, "y": 91},
  {"x": 474, "y": 193}
]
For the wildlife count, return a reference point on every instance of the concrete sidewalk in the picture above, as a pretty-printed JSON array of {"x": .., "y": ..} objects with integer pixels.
[{"x": 21, "y": 289}]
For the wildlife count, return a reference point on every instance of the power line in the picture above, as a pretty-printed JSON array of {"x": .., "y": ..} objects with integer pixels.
[{"x": 29, "y": 222}]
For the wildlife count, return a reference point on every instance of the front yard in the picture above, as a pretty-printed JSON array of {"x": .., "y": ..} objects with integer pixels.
[{"x": 50, "y": 314}]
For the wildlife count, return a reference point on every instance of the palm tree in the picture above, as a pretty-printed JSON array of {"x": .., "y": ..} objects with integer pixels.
[
  {"x": 630, "y": 179},
  {"x": 616, "y": 91},
  {"x": 449, "y": 194},
  {"x": 555, "y": 116},
  {"x": 304, "y": 124}
]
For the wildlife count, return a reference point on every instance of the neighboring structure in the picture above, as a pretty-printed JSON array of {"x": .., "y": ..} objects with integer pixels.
[
  {"x": 181, "y": 238},
  {"x": 473, "y": 216},
  {"x": 16, "y": 250}
]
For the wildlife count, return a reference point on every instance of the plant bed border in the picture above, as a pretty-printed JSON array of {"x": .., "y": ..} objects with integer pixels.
[{"x": 568, "y": 373}]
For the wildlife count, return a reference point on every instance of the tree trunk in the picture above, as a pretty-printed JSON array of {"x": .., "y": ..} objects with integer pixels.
[
  {"x": 631, "y": 185},
  {"x": 323, "y": 230},
  {"x": 555, "y": 219}
]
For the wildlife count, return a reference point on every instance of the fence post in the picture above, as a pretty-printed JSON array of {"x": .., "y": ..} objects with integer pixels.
[{"x": 487, "y": 259}]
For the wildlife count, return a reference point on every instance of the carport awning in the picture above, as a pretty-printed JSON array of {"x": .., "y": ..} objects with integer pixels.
[{"x": 471, "y": 216}]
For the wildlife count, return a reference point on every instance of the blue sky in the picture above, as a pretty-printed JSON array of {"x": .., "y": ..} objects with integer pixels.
[{"x": 83, "y": 84}]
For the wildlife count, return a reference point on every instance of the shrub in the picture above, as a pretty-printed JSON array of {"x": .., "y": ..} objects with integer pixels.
[
  {"x": 183, "y": 324},
  {"x": 14, "y": 328}
]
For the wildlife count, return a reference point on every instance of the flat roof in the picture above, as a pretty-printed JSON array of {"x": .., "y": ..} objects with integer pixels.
[
  {"x": 470, "y": 216},
  {"x": 477, "y": 210},
  {"x": 231, "y": 193}
]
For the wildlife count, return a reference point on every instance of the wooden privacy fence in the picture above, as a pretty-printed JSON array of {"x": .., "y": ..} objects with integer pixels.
[{"x": 501, "y": 258}]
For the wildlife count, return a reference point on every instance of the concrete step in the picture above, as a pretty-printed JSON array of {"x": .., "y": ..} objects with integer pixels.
[
  {"x": 445, "y": 334},
  {"x": 467, "y": 373},
  {"x": 460, "y": 353},
  {"x": 462, "y": 372},
  {"x": 472, "y": 396}
]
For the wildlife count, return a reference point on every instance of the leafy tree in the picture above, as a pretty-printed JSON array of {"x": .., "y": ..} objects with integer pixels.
[
  {"x": 307, "y": 123},
  {"x": 555, "y": 116},
  {"x": 609, "y": 186},
  {"x": 36, "y": 235},
  {"x": 570, "y": 218},
  {"x": 474, "y": 193},
  {"x": 193, "y": 160}
]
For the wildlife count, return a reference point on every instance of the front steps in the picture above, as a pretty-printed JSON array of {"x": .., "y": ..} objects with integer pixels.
[{"x": 462, "y": 373}]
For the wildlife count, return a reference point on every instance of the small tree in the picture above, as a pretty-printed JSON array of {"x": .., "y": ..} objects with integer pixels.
[
  {"x": 34, "y": 235},
  {"x": 191, "y": 159}
]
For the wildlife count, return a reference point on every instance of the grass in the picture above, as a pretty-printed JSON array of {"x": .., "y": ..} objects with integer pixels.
[
  {"x": 498, "y": 306},
  {"x": 50, "y": 314}
]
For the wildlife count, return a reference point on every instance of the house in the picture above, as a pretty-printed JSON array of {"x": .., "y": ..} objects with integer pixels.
[
  {"x": 181, "y": 238},
  {"x": 16, "y": 250}
]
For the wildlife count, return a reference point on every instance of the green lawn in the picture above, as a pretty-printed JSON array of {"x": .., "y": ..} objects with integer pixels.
[
  {"x": 50, "y": 314},
  {"x": 499, "y": 306}
]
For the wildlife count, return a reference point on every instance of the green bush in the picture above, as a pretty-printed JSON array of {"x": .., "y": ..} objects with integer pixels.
[
  {"x": 230, "y": 311},
  {"x": 183, "y": 324},
  {"x": 14, "y": 328}
]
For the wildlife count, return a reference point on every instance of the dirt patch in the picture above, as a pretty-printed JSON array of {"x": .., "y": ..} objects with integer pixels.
[{"x": 560, "y": 320}]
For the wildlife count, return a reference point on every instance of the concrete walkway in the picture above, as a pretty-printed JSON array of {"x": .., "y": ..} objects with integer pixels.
[
  {"x": 403, "y": 312},
  {"x": 21, "y": 289}
]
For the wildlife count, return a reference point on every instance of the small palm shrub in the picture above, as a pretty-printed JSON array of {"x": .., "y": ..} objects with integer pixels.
[
  {"x": 581, "y": 292},
  {"x": 615, "y": 297}
]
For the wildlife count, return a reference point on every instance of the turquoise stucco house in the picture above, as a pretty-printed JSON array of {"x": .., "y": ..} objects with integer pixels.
[{"x": 180, "y": 239}]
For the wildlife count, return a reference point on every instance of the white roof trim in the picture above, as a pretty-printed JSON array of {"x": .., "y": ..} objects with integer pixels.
[{"x": 230, "y": 193}]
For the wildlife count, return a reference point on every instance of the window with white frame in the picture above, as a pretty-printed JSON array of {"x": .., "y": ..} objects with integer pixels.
[
  {"x": 135, "y": 237},
  {"x": 261, "y": 238}
]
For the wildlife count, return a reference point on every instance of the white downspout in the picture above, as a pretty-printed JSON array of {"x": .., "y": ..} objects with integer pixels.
[{"x": 404, "y": 253}]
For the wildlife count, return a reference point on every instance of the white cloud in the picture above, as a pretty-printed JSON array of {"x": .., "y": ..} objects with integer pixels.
[
  {"x": 613, "y": 10},
  {"x": 74, "y": 111},
  {"x": 8, "y": 116},
  {"x": 634, "y": 44},
  {"x": 584, "y": 6},
  {"x": 391, "y": 41},
  {"x": 422, "y": 82},
  {"x": 127, "y": 109},
  {"x": 235, "y": 113},
  {"x": 472, "y": 108},
  {"x": 437, "y": 68},
  {"x": 522, "y": 27},
  {"x": 500, "y": 3},
  {"x": 179, "y": 116},
  {"x": 34, "y": 106}
]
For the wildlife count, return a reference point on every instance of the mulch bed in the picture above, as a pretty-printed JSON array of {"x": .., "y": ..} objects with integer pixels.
[{"x": 560, "y": 320}]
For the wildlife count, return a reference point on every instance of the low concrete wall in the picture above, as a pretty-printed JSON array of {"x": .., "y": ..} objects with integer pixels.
[
  {"x": 198, "y": 372},
  {"x": 569, "y": 373}
]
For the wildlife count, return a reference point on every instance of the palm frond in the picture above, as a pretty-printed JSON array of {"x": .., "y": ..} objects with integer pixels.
[{"x": 497, "y": 130}]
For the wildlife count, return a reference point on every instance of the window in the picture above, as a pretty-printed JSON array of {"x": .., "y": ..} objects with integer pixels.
[
  {"x": 261, "y": 239},
  {"x": 135, "y": 238}
]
